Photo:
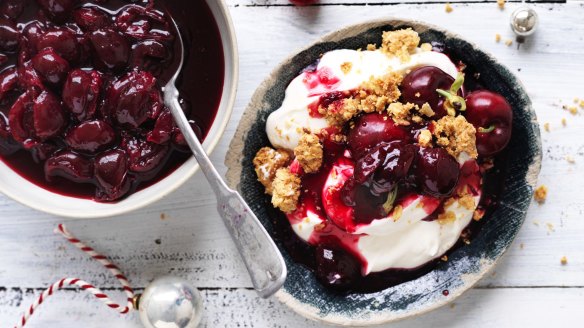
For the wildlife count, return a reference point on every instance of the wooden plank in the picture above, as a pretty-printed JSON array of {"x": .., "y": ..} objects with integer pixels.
[{"x": 487, "y": 308}]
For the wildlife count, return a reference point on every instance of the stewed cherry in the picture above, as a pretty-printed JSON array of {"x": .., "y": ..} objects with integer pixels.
[
  {"x": 90, "y": 136},
  {"x": 69, "y": 165},
  {"x": 81, "y": 93},
  {"x": 371, "y": 129},
  {"x": 435, "y": 171},
  {"x": 50, "y": 66}
]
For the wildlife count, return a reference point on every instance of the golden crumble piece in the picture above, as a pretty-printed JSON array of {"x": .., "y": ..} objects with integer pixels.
[
  {"x": 426, "y": 47},
  {"x": 540, "y": 194},
  {"x": 573, "y": 110},
  {"x": 340, "y": 112},
  {"x": 425, "y": 138},
  {"x": 444, "y": 258},
  {"x": 497, "y": 37},
  {"x": 285, "y": 190},
  {"x": 426, "y": 110},
  {"x": 508, "y": 42},
  {"x": 397, "y": 213},
  {"x": 581, "y": 103},
  {"x": 456, "y": 135},
  {"x": 446, "y": 217},
  {"x": 564, "y": 122},
  {"x": 400, "y": 112},
  {"x": 467, "y": 201},
  {"x": 371, "y": 47},
  {"x": 400, "y": 43},
  {"x": 501, "y": 4},
  {"x": 266, "y": 162},
  {"x": 564, "y": 260},
  {"x": 309, "y": 153},
  {"x": 478, "y": 214},
  {"x": 570, "y": 159},
  {"x": 448, "y": 8},
  {"x": 546, "y": 127},
  {"x": 346, "y": 67}
]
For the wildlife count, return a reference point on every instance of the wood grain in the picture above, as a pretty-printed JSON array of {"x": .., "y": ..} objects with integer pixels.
[{"x": 529, "y": 287}]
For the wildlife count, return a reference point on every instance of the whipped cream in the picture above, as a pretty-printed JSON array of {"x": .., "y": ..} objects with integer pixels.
[{"x": 284, "y": 126}]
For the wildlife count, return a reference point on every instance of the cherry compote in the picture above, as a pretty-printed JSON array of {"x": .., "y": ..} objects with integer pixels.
[{"x": 81, "y": 109}]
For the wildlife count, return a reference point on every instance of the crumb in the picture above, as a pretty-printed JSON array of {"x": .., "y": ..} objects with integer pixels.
[
  {"x": 425, "y": 138},
  {"x": 417, "y": 95},
  {"x": 540, "y": 194},
  {"x": 285, "y": 190},
  {"x": 346, "y": 67},
  {"x": 426, "y": 110},
  {"x": 162, "y": 216},
  {"x": 576, "y": 100},
  {"x": 478, "y": 214},
  {"x": 452, "y": 305},
  {"x": 570, "y": 159},
  {"x": 581, "y": 103},
  {"x": 444, "y": 258},
  {"x": 400, "y": 112},
  {"x": 501, "y": 4},
  {"x": 564, "y": 122},
  {"x": 447, "y": 217},
  {"x": 426, "y": 47},
  {"x": 550, "y": 227},
  {"x": 448, "y": 7},
  {"x": 456, "y": 135},
  {"x": 546, "y": 127},
  {"x": 508, "y": 42},
  {"x": 371, "y": 47},
  {"x": 521, "y": 246},
  {"x": 536, "y": 223},
  {"x": 467, "y": 201},
  {"x": 497, "y": 37},
  {"x": 573, "y": 110},
  {"x": 397, "y": 213},
  {"x": 309, "y": 153},
  {"x": 564, "y": 260},
  {"x": 266, "y": 162},
  {"x": 400, "y": 43}
]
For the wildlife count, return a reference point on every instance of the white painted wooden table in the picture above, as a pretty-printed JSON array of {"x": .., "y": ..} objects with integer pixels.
[{"x": 183, "y": 235}]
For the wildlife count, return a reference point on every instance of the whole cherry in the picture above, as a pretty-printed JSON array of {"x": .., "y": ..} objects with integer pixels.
[
  {"x": 112, "y": 49},
  {"x": 9, "y": 35},
  {"x": 48, "y": 116},
  {"x": 81, "y": 93},
  {"x": 63, "y": 41},
  {"x": 111, "y": 174},
  {"x": 90, "y": 136},
  {"x": 419, "y": 87},
  {"x": 436, "y": 171},
  {"x": 57, "y": 10},
  {"x": 69, "y": 165},
  {"x": 372, "y": 129},
  {"x": 51, "y": 67},
  {"x": 90, "y": 19},
  {"x": 492, "y": 116}
]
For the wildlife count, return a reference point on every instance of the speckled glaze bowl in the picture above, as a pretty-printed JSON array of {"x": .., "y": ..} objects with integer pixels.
[{"x": 467, "y": 264}]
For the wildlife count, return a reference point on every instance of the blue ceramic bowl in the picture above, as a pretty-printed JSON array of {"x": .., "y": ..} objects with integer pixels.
[{"x": 466, "y": 265}]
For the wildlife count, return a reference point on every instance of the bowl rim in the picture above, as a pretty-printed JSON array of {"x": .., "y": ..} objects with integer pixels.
[
  {"x": 383, "y": 317},
  {"x": 227, "y": 100}
]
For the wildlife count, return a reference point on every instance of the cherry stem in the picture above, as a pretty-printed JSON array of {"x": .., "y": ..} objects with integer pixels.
[
  {"x": 491, "y": 128},
  {"x": 454, "y": 102},
  {"x": 388, "y": 205}
]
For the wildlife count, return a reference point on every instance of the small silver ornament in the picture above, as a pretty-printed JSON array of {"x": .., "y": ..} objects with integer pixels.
[
  {"x": 170, "y": 302},
  {"x": 523, "y": 22}
]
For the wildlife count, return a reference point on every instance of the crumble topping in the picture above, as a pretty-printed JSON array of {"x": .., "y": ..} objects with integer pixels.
[
  {"x": 425, "y": 138},
  {"x": 501, "y": 4},
  {"x": 266, "y": 162},
  {"x": 478, "y": 214},
  {"x": 540, "y": 194},
  {"x": 546, "y": 127},
  {"x": 400, "y": 43},
  {"x": 309, "y": 153},
  {"x": 467, "y": 201},
  {"x": 285, "y": 190},
  {"x": 497, "y": 37},
  {"x": 448, "y": 8},
  {"x": 397, "y": 213},
  {"x": 426, "y": 110},
  {"x": 564, "y": 260},
  {"x": 346, "y": 67},
  {"x": 456, "y": 135},
  {"x": 446, "y": 217},
  {"x": 371, "y": 47},
  {"x": 508, "y": 42},
  {"x": 400, "y": 112},
  {"x": 426, "y": 47}
]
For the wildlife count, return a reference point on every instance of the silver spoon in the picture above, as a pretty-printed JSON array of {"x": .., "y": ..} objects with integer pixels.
[{"x": 260, "y": 255}]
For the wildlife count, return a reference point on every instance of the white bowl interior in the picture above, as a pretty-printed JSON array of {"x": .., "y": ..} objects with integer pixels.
[{"x": 29, "y": 194}]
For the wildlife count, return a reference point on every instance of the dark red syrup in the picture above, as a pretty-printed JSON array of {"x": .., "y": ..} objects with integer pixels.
[{"x": 150, "y": 146}]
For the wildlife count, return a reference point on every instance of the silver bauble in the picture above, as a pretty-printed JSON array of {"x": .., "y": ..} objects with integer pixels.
[
  {"x": 170, "y": 302},
  {"x": 524, "y": 21}
]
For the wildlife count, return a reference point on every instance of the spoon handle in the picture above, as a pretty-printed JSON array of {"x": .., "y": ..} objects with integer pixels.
[{"x": 262, "y": 258}]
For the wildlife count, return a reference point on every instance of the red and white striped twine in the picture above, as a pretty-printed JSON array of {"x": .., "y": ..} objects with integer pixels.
[{"x": 62, "y": 230}]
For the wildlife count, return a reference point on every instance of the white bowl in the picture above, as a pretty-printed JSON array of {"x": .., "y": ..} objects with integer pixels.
[{"x": 31, "y": 195}]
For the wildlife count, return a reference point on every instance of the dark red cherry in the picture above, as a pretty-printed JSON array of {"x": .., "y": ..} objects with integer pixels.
[
  {"x": 144, "y": 23},
  {"x": 49, "y": 116},
  {"x": 133, "y": 99},
  {"x": 69, "y": 165},
  {"x": 81, "y": 93},
  {"x": 335, "y": 267},
  {"x": 57, "y": 10},
  {"x": 112, "y": 50},
  {"x": 90, "y": 19},
  {"x": 147, "y": 54},
  {"x": 163, "y": 128},
  {"x": 90, "y": 136},
  {"x": 20, "y": 119},
  {"x": 419, "y": 87},
  {"x": 33, "y": 32},
  {"x": 144, "y": 156},
  {"x": 436, "y": 171},
  {"x": 28, "y": 78},
  {"x": 7, "y": 144},
  {"x": 8, "y": 81},
  {"x": 178, "y": 139},
  {"x": 42, "y": 151},
  {"x": 9, "y": 35},
  {"x": 50, "y": 66},
  {"x": 111, "y": 174},
  {"x": 492, "y": 116},
  {"x": 63, "y": 41},
  {"x": 11, "y": 8},
  {"x": 371, "y": 129}
]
